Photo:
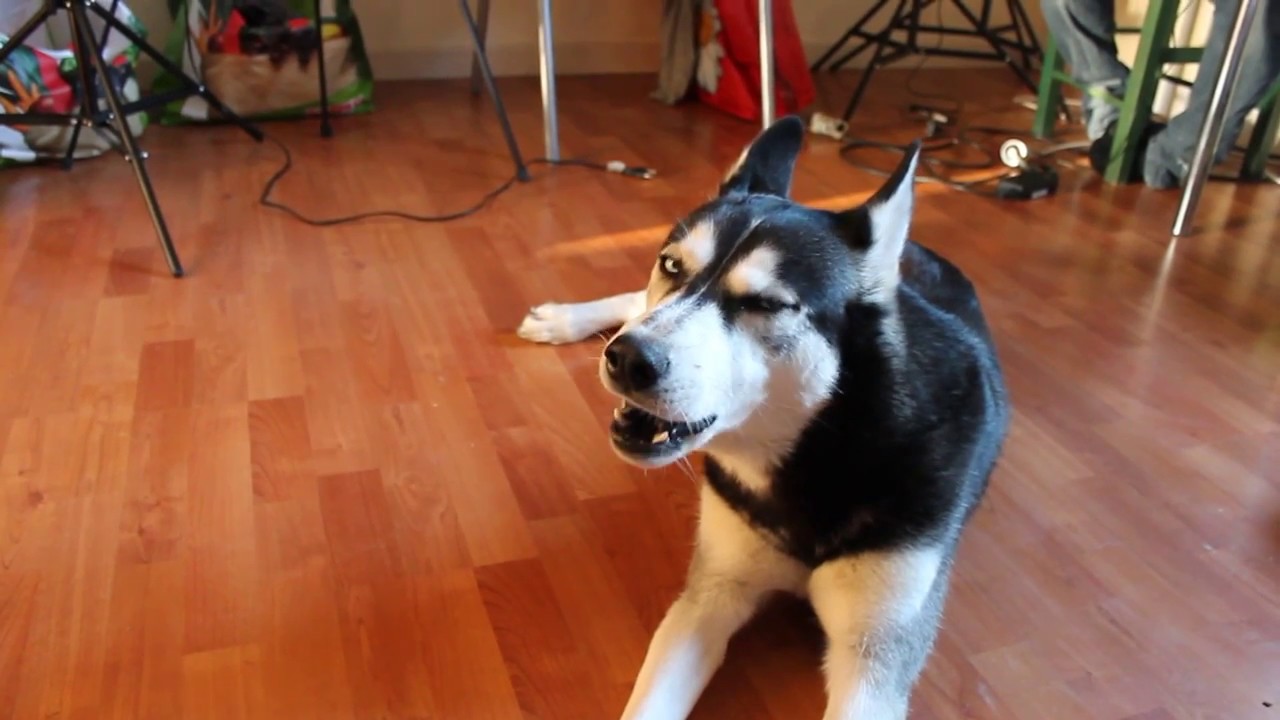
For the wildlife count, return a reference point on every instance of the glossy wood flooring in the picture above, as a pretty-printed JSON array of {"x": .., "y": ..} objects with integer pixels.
[{"x": 320, "y": 478}]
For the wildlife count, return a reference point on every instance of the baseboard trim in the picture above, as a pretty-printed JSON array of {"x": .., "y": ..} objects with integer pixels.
[
  {"x": 515, "y": 60},
  {"x": 573, "y": 58}
]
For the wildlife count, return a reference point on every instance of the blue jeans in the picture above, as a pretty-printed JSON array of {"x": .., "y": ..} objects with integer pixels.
[{"x": 1085, "y": 31}]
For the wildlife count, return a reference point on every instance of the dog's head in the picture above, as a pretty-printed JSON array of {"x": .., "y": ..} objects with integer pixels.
[{"x": 748, "y": 302}]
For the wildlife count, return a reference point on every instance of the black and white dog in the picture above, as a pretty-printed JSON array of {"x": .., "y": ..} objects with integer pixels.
[{"x": 844, "y": 388}]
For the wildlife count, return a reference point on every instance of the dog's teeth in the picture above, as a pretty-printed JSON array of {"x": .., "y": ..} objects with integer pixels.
[
  {"x": 617, "y": 414},
  {"x": 661, "y": 437}
]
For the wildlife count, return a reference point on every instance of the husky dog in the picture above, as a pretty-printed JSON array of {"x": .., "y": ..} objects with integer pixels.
[{"x": 842, "y": 384}]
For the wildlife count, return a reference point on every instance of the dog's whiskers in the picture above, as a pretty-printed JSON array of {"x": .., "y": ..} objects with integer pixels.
[{"x": 687, "y": 467}]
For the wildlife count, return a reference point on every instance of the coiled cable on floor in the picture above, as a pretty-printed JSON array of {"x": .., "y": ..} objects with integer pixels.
[
  {"x": 613, "y": 166},
  {"x": 938, "y": 168}
]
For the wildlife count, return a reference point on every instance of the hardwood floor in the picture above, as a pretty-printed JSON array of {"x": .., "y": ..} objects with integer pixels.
[{"x": 320, "y": 478}]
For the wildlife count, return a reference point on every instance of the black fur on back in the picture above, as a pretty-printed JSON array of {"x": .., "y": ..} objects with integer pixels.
[{"x": 903, "y": 451}]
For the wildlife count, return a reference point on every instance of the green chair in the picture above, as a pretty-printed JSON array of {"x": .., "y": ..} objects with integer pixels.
[{"x": 1154, "y": 53}]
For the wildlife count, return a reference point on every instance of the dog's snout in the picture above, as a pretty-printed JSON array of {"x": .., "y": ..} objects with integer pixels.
[{"x": 635, "y": 366}]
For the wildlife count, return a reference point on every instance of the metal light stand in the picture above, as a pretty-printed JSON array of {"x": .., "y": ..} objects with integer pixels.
[
  {"x": 767, "y": 110},
  {"x": 546, "y": 69},
  {"x": 1215, "y": 116},
  {"x": 89, "y": 61},
  {"x": 906, "y": 18},
  {"x": 481, "y": 65}
]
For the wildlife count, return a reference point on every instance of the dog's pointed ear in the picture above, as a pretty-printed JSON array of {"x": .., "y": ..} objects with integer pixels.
[
  {"x": 883, "y": 224},
  {"x": 766, "y": 165}
]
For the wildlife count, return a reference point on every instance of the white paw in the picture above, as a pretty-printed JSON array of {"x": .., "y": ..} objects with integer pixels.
[{"x": 552, "y": 323}]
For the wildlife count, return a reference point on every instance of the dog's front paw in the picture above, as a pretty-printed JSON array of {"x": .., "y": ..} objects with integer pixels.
[{"x": 552, "y": 323}]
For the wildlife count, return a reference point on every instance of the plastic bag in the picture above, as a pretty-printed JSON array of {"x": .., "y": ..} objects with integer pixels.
[{"x": 259, "y": 57}]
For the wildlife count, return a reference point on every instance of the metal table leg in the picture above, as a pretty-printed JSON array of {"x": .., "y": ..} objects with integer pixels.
[
  {"x": 767, "y": 82},
  {"x": 547, "y": 67},
  {"x": 1211, "y": 131}
]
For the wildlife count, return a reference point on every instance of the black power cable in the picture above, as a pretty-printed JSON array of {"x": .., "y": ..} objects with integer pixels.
[
  {"x": 264, "y": 199},
  {"x": 938, "y": 170}
]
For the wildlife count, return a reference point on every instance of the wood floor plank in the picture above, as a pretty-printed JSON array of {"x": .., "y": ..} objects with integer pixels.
[
  {"x": 221, "y": 582},
  {"x": 303, "y": 660},
  {"x": 143, "y": 666},
  {"x": 542, "y": 656}
]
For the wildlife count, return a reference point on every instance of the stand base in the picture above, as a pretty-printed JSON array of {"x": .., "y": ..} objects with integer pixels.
[{"x": 906, "y": 19}]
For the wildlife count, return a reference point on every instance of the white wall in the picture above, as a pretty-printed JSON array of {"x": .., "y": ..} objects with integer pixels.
[{"x": 429, "y": 39}]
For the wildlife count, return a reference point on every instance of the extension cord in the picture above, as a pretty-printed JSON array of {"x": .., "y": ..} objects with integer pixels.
[
  {"x": 1032, "y": 183},
  {"x": 617, "y": 166},
  {"x": 612, "y": 166}
]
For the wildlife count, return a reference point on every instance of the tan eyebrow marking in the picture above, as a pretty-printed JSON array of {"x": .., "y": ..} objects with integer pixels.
[
  {"x": 755, "y": 273},
  {"x": 697, "y": 247}
]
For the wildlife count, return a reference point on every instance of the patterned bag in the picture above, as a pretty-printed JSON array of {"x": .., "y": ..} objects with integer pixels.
[
  {"x": 42, "y": 76},
  {"x": 259, "y": 57}
]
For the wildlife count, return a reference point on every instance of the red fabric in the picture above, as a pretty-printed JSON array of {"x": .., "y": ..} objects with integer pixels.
[
  {"x": 230, "y": 35},
  {"x": 737, "y": 87},
  {"x": 58, "y": 97}
]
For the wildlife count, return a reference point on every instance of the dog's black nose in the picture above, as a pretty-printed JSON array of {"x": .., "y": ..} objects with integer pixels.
[{"x": 634, "y": 366}]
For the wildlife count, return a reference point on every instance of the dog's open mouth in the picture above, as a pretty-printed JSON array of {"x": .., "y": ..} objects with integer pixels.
[{"x": 643, "y": 434}]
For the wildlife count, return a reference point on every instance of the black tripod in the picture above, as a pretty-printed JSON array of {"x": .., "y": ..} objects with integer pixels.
[
  {"x": 94, "y": 78},
  {"x": 481, "y": 62},
  {"x": 906, "y": 18}
]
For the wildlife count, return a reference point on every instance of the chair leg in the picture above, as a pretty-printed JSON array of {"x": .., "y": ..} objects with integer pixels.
[
  {"x": 1144, "y": 78},
  {"x": 1264, "y": 135},
  {"x": 1050, "y": 93}
]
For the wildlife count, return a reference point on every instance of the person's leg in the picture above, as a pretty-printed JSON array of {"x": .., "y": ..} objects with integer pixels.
[
  {"x": 1168, "y": 156},
  {"x": 1086, "y": 34}
]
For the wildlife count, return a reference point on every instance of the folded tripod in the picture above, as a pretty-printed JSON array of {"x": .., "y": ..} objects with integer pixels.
[{"x": 94, "y": 79}]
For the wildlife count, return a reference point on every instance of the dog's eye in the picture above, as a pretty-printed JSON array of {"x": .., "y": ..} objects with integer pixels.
[
  {"x": 671, "y": 266},
  {"x": 764, "y": 304}
]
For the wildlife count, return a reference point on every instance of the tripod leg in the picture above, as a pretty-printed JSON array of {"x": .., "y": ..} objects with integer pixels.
[
  {"x": 88, "y": 102},
  {"x": 984, "y": 31},
  {"x": 816, "y": 65},
  {"x": 1031, "y": 44},
  {"x": 325, "y": 129},
  {"x": 88, "y": 46},
  {"x": 881, "y": 40},
  {"x": 20, "y": 37},
  {"x": 863, "y": 81},
  {"x": 482, "y": 19},
  {"x": 522, "y": 171},
  {"x": 1017, "y": 34},
  {"x": 855, "y": 30},
  {"x": 177, "y": 72}
]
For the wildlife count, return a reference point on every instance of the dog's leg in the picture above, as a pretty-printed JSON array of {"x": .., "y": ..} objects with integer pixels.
[
  {"x": 880, "y": 612},
  {"x": 731, "y": 572},
  {"x": 559, "y": 323}
]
